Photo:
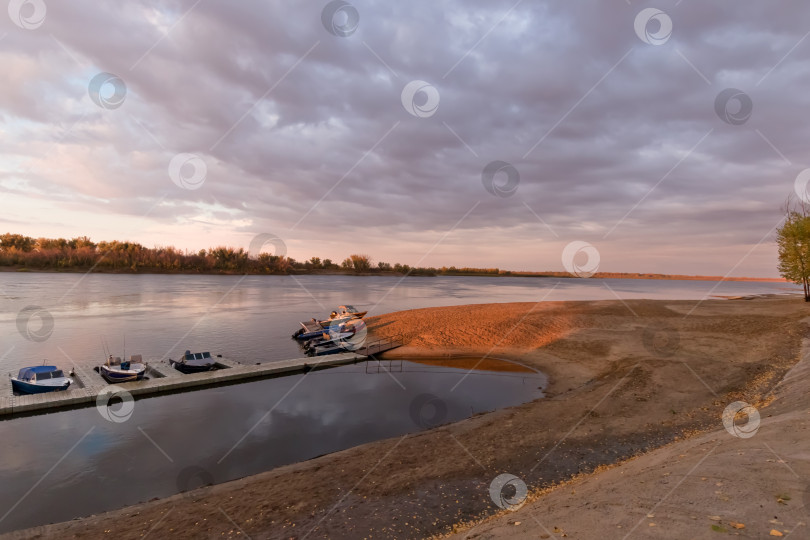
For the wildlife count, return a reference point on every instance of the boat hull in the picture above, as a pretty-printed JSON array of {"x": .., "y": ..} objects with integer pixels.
[
  {"x": 304, "y": 336},
  {"x": 119, "y": 376},
  {"x": 23, "y": 387},
  {"x": 188, "y": 369}
]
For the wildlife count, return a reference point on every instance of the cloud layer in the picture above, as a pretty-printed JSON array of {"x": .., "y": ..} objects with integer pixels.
[{"x": 307, "y": 135}]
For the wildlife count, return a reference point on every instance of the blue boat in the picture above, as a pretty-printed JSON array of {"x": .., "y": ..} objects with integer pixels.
[
  {"x": 348, "y": 337},
  {"x": 313, "y": 328},
  {"x": 40, "y": 379}
]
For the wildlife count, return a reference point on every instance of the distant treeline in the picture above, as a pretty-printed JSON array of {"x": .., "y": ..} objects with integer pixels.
[{"x": 82, "y": 254}]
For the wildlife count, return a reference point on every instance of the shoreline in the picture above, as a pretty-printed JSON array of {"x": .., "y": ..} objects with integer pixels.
[
  {"x": 546, "y": 275},
  {"x": 624, "y": 379}
]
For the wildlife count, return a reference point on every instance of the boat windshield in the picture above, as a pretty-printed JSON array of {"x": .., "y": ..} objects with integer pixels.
[
  {"x": 50, "y": 375},
  {"x": 197, "y": 356}
]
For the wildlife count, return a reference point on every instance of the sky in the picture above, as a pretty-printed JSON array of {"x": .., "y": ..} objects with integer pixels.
[{"x": 623, "y": 136}]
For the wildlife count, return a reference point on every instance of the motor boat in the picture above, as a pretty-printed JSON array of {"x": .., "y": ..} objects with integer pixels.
[
  {"x": 115, "y": 370},
  {"x": 313, "y": 328},
  {"x": 40, "y": 379},
  {"x": 328, "y": 337},
  {"x": 343, "y": 314},
  {"x": 194, "y": 362},
  {"x": 349, "y": 336}
]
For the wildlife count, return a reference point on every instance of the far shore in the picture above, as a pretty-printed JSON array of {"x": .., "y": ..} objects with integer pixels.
[
  {"x": 299, "y": 272},
  {"x": 625, "y": 378}
]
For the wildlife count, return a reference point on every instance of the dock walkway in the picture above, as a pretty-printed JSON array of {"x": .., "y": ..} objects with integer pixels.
[
  {"x": 162, "y": 378},
  {"x": 89, "y": 384}
]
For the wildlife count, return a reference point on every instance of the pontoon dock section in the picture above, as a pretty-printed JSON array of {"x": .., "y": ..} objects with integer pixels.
[{"x": 165, "y": 379}]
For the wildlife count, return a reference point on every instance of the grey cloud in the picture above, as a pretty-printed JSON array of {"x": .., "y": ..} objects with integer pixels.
[{"x": 286, "y": 148}]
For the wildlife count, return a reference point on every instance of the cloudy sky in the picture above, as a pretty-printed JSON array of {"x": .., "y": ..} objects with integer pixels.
[{"x": 666, "y": 135}]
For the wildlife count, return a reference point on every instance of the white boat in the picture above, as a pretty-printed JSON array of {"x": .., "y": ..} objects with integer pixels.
[
  {"x": 115, "y": 370},
  {"x": 343, "y": 314}
]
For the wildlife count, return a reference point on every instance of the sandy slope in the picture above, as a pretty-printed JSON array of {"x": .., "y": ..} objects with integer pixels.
[
  {"x": 625, "y": 378},
  {"x": 751, "y": 487}
]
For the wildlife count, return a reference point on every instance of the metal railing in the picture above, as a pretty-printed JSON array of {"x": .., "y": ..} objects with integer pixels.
[
  {"x": 375, "y": 366},
  {"x": 379, "y": 345}
]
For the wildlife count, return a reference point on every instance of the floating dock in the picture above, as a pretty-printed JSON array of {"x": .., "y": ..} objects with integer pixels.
[{"x": 162, "y": 378}]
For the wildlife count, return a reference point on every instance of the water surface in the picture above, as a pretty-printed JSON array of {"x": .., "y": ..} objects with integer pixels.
[
  {"x": 177, "y": 442},
  {"x": 250, "y": 319}
]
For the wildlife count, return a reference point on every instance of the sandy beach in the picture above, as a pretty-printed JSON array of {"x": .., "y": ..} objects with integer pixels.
[{"x": 636, "y": 390}]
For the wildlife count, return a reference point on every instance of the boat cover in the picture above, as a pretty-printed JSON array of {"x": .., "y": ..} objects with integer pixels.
[{"x": 26, "y": 374}]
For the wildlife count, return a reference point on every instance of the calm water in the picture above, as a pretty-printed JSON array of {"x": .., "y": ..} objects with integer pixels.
[
  {"x": 250, "y": 319},
  {"x": 174, "y": 442},
  {"x": 181, "y": 441}
]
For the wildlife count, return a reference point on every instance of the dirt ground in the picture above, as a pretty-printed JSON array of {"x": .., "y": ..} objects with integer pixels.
[
  {"x": 625, "y": 378},
  {"x": 752, "y": 483}
]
